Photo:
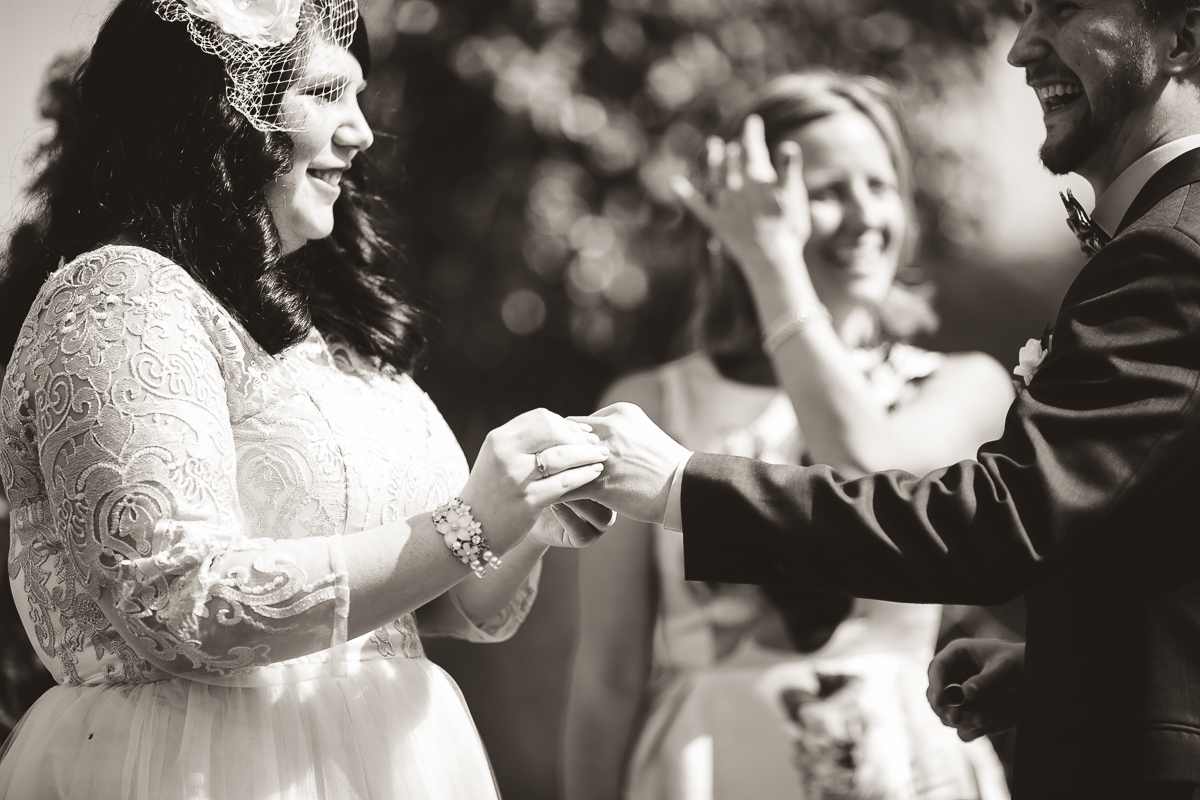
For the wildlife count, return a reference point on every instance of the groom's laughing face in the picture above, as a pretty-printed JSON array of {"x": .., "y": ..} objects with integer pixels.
[{"x": 1091, "y": 64}]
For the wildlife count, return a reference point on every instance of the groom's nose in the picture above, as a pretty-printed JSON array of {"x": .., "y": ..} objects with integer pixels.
[{"x": 1031, "y": 43}]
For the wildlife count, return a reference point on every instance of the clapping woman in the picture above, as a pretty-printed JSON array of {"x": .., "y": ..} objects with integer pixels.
[
  {"x": 685, "y": 689},
  {"x": 234, "y": 514}
]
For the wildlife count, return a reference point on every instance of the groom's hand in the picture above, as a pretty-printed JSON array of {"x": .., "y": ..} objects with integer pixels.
[
  {"x": 637, "y": 475},
  {"x": 989, "y": 673}
]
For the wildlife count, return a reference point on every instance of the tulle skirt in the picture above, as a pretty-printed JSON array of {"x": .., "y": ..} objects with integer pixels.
[{"x": 389, "y": 729}]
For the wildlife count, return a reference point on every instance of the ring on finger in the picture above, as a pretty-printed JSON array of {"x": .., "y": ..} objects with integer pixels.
[{"x": 541, "y": 465}]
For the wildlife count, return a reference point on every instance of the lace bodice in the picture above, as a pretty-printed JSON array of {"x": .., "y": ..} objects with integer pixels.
[{"x": 178, "y": 494}]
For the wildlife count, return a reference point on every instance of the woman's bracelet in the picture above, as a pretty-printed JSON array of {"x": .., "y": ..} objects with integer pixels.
[
  {"x": 464, "y": 536},
  {"x": 789, "y": 325}
]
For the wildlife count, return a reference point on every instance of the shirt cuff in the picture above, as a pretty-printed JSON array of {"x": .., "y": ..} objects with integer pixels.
[{"x": 673, "y": 517}]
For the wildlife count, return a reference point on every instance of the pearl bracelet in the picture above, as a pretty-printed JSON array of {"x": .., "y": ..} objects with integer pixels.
[
  {"x": 789, "y": 325},
  {"x": 464, "y": 536}
]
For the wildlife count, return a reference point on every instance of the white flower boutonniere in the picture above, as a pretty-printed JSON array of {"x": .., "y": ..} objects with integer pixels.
[
  {"x": 263, "y": 23},
  {"x": 1031, "y": 357}
]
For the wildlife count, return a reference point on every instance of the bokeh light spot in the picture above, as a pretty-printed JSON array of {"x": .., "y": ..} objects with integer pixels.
[{"x": 523, "y": 312}]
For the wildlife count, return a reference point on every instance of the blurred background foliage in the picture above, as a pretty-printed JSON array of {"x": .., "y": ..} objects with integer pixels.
[{"x": 536, "y": 140}]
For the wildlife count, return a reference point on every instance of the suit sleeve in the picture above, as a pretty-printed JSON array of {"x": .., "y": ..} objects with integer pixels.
[{"x": 1112, "y": 409}]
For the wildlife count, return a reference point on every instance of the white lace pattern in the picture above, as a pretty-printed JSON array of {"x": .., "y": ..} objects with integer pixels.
[{"x": 163, "y": 470}]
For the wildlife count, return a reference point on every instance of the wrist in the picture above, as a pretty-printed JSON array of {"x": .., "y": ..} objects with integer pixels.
[
  {"x": 792, "y": 324},
  {"x": 526, "y": 550},
  {"x": 464, "y": 537},
  {"x": 493, "y": 514},
  {"x": 780, "y": 295}
]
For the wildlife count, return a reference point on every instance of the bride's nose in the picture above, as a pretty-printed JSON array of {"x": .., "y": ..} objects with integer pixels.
[{"x": 354, "y": 132}]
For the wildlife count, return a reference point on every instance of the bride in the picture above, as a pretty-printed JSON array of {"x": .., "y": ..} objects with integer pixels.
[{"x": 234, "y": 513}]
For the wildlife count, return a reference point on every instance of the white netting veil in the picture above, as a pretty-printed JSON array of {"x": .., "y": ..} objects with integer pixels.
[{"x": 264, "y": 44}]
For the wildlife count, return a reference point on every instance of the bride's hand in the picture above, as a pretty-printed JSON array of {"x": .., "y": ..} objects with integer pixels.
[
  {"x": 507, "y": 490},
  {"x": 577, "y": 524},
  {"x": 759, "y": 216}
]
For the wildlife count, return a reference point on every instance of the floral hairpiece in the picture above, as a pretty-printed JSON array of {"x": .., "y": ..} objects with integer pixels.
[
  {"x": 261, "y": 42},
  {"x": 262, "y": 23}
]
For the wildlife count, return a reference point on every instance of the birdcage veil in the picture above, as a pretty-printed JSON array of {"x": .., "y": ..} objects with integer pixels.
[{"x": 263, "y": 43}]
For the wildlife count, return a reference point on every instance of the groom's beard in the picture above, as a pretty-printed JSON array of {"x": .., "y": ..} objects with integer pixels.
[{"x": 1116, "y": 99}]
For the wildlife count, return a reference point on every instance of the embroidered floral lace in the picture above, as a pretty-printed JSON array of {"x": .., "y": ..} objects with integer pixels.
[{"x": 178, "y": 494}]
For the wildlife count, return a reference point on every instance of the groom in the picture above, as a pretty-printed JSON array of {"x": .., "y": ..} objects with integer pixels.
[{"x": 1089, "y": 504}]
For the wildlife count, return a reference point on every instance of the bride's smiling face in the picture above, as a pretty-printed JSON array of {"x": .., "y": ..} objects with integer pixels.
[
  {"x": 859, "y": 218},
  {"x": 334, "y": 131}
]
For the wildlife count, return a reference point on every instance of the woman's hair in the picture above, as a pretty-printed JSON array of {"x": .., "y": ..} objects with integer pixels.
[
  {"x": 149, "y": 151},
  {"x": 724, "y": 322}
]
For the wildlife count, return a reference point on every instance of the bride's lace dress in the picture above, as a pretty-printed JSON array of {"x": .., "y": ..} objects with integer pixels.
[{"x": 178, "y": 500}]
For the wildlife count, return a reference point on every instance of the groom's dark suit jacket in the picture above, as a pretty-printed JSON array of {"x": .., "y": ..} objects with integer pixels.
[{"x": 1089, "y": 505}]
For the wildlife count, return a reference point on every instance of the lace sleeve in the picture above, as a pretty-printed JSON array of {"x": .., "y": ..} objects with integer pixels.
[{"x": 121, "y": 369}]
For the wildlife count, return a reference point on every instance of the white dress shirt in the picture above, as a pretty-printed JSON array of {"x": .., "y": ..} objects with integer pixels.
[{"x": 1116, "y": 200}]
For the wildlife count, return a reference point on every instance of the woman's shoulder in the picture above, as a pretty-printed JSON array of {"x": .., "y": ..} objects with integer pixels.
[
  {"x": 111, "y": 293},
  {"x": 975, "y": 366},
  {"x": 118, "y": 271},
  {"x": 972, "y": 380}
]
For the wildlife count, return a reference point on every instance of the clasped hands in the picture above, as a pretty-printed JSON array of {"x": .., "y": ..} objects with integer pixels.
[{"x": 557, "y": 481}]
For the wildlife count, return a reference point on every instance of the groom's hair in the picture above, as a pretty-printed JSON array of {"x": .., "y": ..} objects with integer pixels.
[
  {"x": 148, "y": 150},
  {"x": 1159, "y": 10}
]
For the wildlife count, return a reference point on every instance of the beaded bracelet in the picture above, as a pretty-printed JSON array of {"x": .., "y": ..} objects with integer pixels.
[
  {"x": 464, "y": 536},
  {"x": 789, "y": 325}
]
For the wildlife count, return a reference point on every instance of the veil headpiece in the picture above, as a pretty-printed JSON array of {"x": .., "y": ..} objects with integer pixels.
[{"x": 262, "y": 44}]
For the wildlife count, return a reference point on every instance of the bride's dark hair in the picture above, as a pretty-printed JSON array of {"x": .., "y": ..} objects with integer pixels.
[{"x": 149, "y": 151}]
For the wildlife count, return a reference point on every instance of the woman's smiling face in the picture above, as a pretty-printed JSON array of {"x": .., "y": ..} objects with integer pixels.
[
  {"x": 859, "y": 218},
  {"x": 333, "y": 132}
]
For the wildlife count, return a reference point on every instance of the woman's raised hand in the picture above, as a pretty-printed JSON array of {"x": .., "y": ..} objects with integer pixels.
[
  {"x": 523, "y": 467},
  {"x": 759, "y": 215}
]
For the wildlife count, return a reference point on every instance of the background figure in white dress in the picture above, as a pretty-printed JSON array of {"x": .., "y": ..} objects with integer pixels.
[
  {"x": 221, "y": 473},
  {"x": 697, "y": 691}
]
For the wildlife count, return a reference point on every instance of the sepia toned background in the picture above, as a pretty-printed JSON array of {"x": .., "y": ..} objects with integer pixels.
[{"x": 525, "y": 149}]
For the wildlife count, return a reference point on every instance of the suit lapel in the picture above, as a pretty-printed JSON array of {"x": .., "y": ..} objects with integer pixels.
[{"x": 1176, "y": 174}]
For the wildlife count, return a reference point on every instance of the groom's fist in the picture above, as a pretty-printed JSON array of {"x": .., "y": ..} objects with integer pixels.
[{"x": 989, "y": 673}]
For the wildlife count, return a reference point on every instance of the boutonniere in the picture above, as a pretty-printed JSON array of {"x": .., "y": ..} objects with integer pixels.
[{"x": 1030, "y": 359}]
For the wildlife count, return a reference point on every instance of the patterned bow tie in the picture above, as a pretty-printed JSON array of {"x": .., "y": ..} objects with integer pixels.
[{"x": 1091, "y": 236}]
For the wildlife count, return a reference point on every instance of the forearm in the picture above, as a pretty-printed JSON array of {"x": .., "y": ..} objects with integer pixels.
[
  {"x": 845, "y": 424},
  {"x": 267, "y": 601},
  {"x": 397, "y": 569},
  {"x": 915, "y": 411},
  {"x": 953, "y": 536}
]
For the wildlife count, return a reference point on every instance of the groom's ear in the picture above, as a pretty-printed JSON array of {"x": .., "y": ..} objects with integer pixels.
[{"x": 1184, "y": 53}]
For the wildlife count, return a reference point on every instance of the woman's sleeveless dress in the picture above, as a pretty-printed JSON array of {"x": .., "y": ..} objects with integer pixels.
[
  {"x": 146, "y": 436},
  {"x": 732, "y": 717}
]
